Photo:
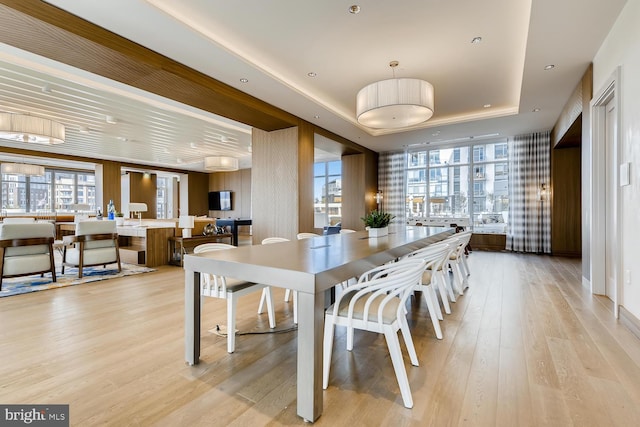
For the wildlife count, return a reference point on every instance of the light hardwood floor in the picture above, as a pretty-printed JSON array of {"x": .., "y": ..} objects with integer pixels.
[{"x": 525, "y": 346}]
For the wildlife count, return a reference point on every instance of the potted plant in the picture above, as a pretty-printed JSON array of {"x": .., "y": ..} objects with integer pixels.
[
  {"x": 377, "y": 222},
  {"x": 119, "y": 218}
]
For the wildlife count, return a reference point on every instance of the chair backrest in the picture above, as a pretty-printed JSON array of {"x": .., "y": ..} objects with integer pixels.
[
  {"x": 460, "y": 240},
  {"x": 435, "y": 255},
  {"x": 382, "y": 285},
  {"x": 208, "y": 247},
  {"x": 18, "y": 220},
  {"x": 346, "y": 231},
  {"x": 212, "y": 285},
  {"x": 84, "y": 228},
  {"x": 270, "y": 240},
  {"x": 26, "y": 231},
  {"x": 301, "y": 236}
]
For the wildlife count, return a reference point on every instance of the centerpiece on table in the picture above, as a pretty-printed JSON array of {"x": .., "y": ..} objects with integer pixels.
[{"x": 377, "y": 222}]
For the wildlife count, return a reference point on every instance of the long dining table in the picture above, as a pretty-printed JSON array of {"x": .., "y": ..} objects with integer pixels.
[{"x": 310, "y": 266}]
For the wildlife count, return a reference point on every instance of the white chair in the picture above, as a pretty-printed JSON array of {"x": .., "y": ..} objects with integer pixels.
[
  {"x": 377, "y": 304},
  {"x": 230, "y": 289},
  {"x": 18, "y": 220},
  {"x": 268, "y": 241},
  {"x": 457, "y": 262},
  {"x": 435, "y": 257},
  {"x": 95, "y": 243},
  {"x": 26, "y": 249}
]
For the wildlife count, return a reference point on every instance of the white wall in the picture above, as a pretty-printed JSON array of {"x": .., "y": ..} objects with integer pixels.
[{"x": 622, "y": 48}]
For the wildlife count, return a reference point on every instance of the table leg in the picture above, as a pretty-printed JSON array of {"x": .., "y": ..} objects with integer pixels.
[
  {"x": 310, "y": 335},
  {"x": 192, "y": 317},
  {"x": 234, "y": 233}
]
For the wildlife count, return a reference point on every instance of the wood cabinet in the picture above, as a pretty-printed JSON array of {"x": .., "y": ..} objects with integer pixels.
[{"x": 488, "y": 241}]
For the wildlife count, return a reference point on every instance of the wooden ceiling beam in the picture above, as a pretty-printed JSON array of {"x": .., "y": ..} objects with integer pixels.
[{"x": 45, "y": 30}]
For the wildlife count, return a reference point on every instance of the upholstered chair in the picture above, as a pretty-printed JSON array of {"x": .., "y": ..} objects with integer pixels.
[
  {"x": 95, "y": 243},
  {"x": 26, "y": 249}
]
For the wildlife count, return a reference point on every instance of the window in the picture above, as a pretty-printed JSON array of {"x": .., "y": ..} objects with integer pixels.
[
  {"x": 55, "y": 191},
  {"x": 327, "y": 193},
  {"x": 465, "y": 181}
]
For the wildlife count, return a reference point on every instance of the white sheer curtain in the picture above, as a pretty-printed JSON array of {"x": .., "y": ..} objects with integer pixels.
[
  {"x": 391, "y": 183},
  {"x": 529, "y": 228}
]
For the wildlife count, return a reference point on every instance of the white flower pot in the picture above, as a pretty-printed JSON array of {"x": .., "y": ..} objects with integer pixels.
[{"x": 378, "y": 232}]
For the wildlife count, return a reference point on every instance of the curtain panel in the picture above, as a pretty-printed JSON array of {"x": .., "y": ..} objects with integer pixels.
[
  {"x": 391, "y": 177},
  {"x": 529, "y": 227}
]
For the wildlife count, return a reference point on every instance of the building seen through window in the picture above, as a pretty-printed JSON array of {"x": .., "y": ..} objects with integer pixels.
[
  {"x": 470, "y": 181},
  {"x": 55, "y": 191},
  {"x": 327, "y": 193}
]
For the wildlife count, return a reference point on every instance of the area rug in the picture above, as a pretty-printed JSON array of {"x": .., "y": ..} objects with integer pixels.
[{"x": 26, "y": 284}]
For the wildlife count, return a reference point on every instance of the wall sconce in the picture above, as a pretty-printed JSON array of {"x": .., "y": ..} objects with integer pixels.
[
  {"x": 378, "y": 197},
  {"x": 543, "y": 193}
]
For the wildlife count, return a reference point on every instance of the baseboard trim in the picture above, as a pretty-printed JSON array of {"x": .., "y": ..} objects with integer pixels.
[{"x": 630, "y": 321}]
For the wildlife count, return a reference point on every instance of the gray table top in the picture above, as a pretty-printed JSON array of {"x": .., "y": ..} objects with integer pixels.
[{"x": 315, "y": 264}]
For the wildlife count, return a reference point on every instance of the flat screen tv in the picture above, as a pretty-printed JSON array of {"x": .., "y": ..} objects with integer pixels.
[{"x": 220, "y": 200}]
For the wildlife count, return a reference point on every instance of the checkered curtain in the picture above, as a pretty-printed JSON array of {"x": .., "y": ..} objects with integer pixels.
[
  {"x": 391, "y": 183},
  {"x": 529, "y": 228}
]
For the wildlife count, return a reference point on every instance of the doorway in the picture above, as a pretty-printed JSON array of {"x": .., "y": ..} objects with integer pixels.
[{"x": 605, "y": 261}]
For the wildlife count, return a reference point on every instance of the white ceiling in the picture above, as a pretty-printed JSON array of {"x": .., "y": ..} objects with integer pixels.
[{"x": 275, "y": 44}]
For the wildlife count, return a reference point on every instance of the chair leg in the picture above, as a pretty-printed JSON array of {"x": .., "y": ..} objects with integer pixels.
[
  {"x": 408, "y": 341},
  {"x": 295, "y": 307},
  {"x": 287, "y": 294},
  {"x": 442, "y": 287},
  {"x": 263, "y": 298},
  {"x": 231, "y": 323},
  {"x": 428, "y": 296},
  {"x": 466, "y": 266},
  {"x": 457, "y": 282},
  {"x": 327, "y": 350},
  {"x": 266, "y": 292},
  {"x": 349, "y": 338},
  {"x": 434, "y": 298},
  {"x": 398, "y": 366}
]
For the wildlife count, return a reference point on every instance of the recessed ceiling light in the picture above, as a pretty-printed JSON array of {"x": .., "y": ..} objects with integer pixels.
[
  {"x": 83, "y": 130},
  {"x": 476, "y": 40},
  {"x": 316, "y": 116},
  {"x": 123, "y": 139},
  {"x": 193, "y": 145},
  {"x": 311, "y": 74},
  {"x": 111, "y": 120},
  {"x": 535, "y": 110},
  {"x": 243, "y": 80},
  {"x": 487, "y": 105},
  {"x": 549, "y": 67},
  {"x": 354, "y": 9}
]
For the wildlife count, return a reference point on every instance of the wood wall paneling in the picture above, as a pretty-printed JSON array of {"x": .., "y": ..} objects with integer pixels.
[
  {"x": 274, "y": 184},
  {"x": 566, "y": 230},
  {"x": 354, "y": 205},
  {"x": 143, "y": 189},
  {"x": 306, "y": 137},
  {"x": 108, "y": 185},
  {"x": 198, "y": 185},
  {"x": 45, "y": 30}
]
